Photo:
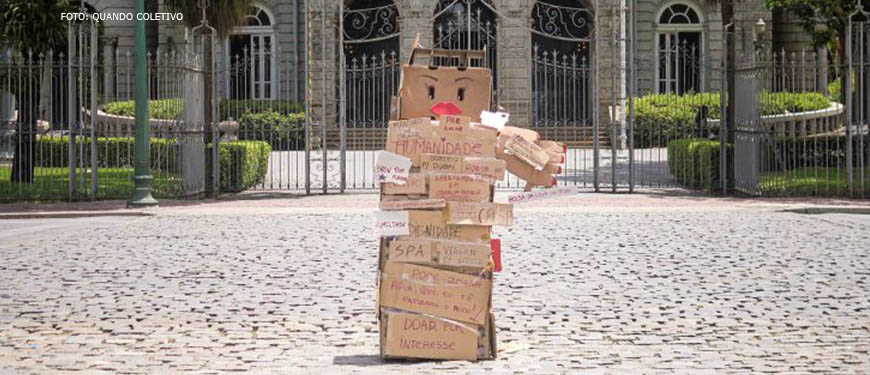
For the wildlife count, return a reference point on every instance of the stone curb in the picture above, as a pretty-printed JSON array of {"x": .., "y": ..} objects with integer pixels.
[
  {"x": 830, "y": 210},
  {"x": 72, "y": 214}
]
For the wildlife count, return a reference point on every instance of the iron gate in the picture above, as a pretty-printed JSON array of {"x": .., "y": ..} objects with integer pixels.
[
  {"x": 320, "y": 109},
  {"x": 67, "y": 126},
  {"x": 781, "y": 147}
]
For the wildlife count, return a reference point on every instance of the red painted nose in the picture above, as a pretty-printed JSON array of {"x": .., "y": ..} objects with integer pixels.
[{"x": 445, "y": 108}]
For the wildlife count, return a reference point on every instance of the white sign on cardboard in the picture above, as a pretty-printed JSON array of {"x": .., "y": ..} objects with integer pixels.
[
  {"x": 542, "y": 194},
  {"x": 391, "y": 223},
  {"x": 392, "y": 167},
  {"x": 495, "y": 120}
]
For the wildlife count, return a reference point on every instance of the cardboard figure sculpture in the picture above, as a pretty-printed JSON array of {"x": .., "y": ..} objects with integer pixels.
[
  {"x": 444, "y": 154},
  {"x": 433, "y": 91}
]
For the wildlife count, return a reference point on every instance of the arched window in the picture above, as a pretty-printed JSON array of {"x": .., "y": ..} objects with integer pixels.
[
  {"x": 252, "y": 55},
  {"x": 561, "y": 52},
  {"x": 371, "y": 48},
  {"x": 679, "y": 41}
]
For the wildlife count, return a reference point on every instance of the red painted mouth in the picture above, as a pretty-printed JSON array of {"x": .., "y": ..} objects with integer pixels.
[{"x": 445, "y": 108}]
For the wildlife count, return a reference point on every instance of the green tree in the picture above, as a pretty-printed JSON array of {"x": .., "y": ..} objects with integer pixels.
[
  {"x": 32, "y": 27},
  {"x": 833, "y": 13}
]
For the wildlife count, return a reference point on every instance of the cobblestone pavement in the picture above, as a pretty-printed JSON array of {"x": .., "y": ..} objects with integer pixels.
[{"x": 631, "y": 285}]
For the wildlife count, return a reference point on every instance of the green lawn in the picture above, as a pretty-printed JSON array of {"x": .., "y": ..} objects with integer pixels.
[
  {"x": 814, "y": 181},
  {"x": 53, "y": 184}
]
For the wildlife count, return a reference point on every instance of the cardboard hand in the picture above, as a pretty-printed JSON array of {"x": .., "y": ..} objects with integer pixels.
[{"x": 536, "y": 171}]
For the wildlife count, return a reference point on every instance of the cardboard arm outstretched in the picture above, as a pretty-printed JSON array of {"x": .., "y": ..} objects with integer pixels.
[{"x": 524, "y": 169}]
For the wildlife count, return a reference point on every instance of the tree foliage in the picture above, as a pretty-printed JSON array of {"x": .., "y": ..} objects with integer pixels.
[
  {"x": 33, "y": 25},
  {"x": 223, "y": 15},
  {"x": 833, "y": 13}
]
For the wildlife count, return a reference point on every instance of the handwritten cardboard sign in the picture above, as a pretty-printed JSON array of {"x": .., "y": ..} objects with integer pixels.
[
  {"x": 410, "y": 251},
  {"x": 411, "y": 204},
  {"x": 462, "y": 254},
  {"x": 419, "y": 336},
  {"x": 391, "y": 223},
  {"x": 412, "y": 138},
  {"x": 477, "y": 141},
  {"x": 432, "y": 291},
  {"x": 462, "y": 188},
  {"x": 433, "y": 225},
  {"x": 542, "y": 194},
  {"x": 415, "y": 184},
  {"x": 527, "y": 151},
  {"x": 392, "y": 168},
  {"x": 454, "y": 123},
  {"x": 480, "y": 213},
  {"x": 404, "y": 136},
  {"x": 490, "y": 168},
  {"x": 441, "y": 163}
]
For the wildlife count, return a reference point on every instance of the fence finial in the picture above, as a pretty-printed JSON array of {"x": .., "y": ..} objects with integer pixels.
[{"x": 203, "y": 4}]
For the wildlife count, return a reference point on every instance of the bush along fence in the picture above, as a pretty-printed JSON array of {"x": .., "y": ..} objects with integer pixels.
[
  {"x": 243, "y": 164},
  {"x": 67, "y": 127}
]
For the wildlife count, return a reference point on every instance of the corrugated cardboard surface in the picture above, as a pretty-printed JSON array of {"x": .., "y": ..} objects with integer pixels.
[
  {"x": 433, "y": 224},
  {"x": 423, "y": 87},
  {"x": 436, "y": 292},
  {"x": 417, "y": 336},
  {"x": 460, "y": 188}
]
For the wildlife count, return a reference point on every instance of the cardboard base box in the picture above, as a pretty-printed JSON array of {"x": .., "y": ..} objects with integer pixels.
[
  {"x": 410, "y": 335},
  {"x": 435, "y": 292}
]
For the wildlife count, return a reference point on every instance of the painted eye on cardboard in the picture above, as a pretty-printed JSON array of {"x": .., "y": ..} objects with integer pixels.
[
  {"x": 431, "y": 92},
  {"x": 460, "y": 94}
]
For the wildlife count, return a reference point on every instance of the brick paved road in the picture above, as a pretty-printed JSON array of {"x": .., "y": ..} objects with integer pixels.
[{"x": 630, "y": 285}]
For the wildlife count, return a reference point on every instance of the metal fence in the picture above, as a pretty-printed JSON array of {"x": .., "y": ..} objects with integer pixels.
[
  {"x": 275, "y": 121},
  {"x": 66, "y": 123},
  {"x": 800, "y": 126}
]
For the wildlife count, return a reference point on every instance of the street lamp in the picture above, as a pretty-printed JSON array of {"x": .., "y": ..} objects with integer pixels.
[
  {"x": 142, "y": 165},
  {"x": 758, "y": 34}
]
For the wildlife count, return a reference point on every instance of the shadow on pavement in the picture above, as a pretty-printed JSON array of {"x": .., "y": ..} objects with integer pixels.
[{"x": 361, "y": 360}]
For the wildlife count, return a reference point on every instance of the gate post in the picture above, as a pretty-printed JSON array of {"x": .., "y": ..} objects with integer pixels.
[
  {"x": 94, "y": 45},
  {"x": 632, "y": 92},
  {"x": 596, "y": 102},
  {"x": 847, "y": 84},
  {"x": 71, "y": 104}
]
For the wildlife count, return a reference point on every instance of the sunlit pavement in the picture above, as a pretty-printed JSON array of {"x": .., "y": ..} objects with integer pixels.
[{"x": 648, "y": 283}]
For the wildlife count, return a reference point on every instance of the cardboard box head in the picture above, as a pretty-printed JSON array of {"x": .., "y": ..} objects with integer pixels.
[{"x": 464, "y": 87}]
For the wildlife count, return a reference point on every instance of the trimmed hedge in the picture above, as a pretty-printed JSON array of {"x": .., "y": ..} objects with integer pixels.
[
  {"x": 163, "y": 109},
  {"x": 282, "y": 132},
  {"x": 243, "y": 164},
  {"x": 171, "y": 109},
  {"x": 112, "y": 152},
  {"x": 660, "y": 118},
  {"x": 236, "y": 108},
  {"x": 694, "y": 162},
  {"x": 825, "y": 150}
]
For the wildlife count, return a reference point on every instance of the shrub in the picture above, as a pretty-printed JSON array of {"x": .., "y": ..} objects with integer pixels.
[
  {"x": 660, "y": 118},
  {"x": 822, "y": 150},
  {"x": 236, "y": 108},
  {"x": 694, "y": 162},
  {"x": 111, "y": 152},
  {"x": 835, "y": 89},
  {"x": 163, "y": 109},
  {"x": 243, "y": 164},
  {"x": 282, "y": 132}
]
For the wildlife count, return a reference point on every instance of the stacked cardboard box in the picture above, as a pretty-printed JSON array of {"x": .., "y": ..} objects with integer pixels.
[{"x": 435, "y": 283}]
